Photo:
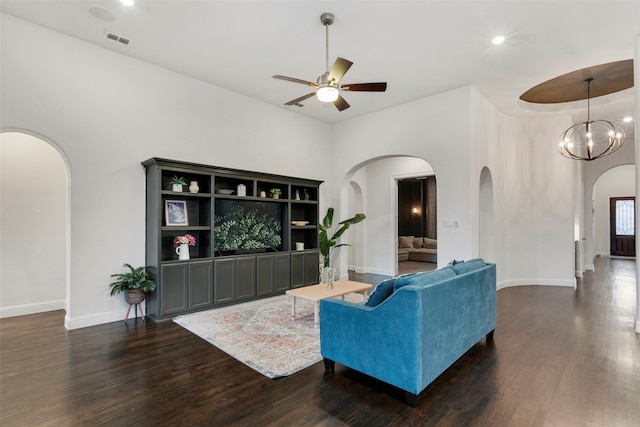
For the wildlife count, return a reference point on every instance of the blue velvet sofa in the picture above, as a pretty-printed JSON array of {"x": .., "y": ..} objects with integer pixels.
[{"x": 413, "y": 327}]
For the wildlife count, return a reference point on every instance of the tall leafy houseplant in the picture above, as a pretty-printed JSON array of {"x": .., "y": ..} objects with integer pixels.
[{"x": 328, "y": 244}]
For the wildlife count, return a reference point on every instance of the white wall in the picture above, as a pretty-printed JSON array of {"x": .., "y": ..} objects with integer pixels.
[
  {"x": 33, "y": 226},
  {"x": 107, "y": 113},
  {"x": 591, "y": 172},
  {"x": 533, "y": 196},
  {"x": 435, "y": 129},
  {"x": 616, "y": 182}
]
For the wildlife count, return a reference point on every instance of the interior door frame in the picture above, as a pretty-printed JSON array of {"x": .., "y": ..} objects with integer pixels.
[{"x": 613, "y": 236}]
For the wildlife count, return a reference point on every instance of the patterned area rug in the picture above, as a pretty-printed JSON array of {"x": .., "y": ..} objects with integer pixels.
[{"x": 261, "y": 334}]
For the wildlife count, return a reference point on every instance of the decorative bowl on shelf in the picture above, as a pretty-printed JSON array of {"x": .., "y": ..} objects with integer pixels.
[
  {"x": 300, "y": 223},
  {"x": 225, "y": 191}
]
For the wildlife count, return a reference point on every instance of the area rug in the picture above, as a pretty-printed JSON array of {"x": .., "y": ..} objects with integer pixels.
[{"x": 261, "y": 334}]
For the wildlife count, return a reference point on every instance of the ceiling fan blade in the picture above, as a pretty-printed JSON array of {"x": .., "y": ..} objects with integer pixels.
[
  {"x": 339, "y": 68},
  {"x": 294, "y": 80},
  {"x": 365, "y": 87},
  {"x": 341, "y": 104},
  {"x": 302, "y": 98}
]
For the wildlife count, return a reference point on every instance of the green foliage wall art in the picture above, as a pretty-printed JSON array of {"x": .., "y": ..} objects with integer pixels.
[{"x": 254, "y": 226}]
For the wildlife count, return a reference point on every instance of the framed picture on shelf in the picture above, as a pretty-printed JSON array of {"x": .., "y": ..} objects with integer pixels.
[{"x": 175, "y": 212}]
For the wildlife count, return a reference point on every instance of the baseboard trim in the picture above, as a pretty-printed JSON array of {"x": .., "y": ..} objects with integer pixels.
[
  {"x": 32, "y": 308},
  {"x": 589, "y": 267},
  {"x": 86, "y": 321},
  {"x": 380, "y": 271},
  {"x": 568, "y": 283}
]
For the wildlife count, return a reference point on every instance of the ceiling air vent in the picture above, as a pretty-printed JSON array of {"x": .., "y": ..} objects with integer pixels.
[{"x": 117, "y": 38}]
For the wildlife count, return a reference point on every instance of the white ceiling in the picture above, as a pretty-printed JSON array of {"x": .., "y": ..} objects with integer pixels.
[{"x": 420, "y": 48}]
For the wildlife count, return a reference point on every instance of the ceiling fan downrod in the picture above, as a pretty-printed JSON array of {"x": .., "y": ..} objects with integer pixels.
[{"x": 326, "y": 19}]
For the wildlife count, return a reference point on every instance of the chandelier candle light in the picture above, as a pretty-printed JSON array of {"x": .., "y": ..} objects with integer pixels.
[{"x": 592, "y": 139}]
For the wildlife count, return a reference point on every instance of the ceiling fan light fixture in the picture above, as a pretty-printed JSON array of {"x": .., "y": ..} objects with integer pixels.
[{"x": 327, "y": 93}]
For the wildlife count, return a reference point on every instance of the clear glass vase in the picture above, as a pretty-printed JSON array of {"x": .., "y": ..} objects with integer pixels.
[{"x": 326, "y": 276}]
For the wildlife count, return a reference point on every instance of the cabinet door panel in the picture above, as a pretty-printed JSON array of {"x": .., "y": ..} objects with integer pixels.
[
  {"x": 245, "y": 278},
  {"x": 200, "y": 284},
  {"x": 173, "y": 297},
  {"x": 282, "y": 272},
  {"x": 264, "y": 274},
  {"x": 311, "y": 267},
  {"x": 297, "y": 270},
  {"x": 224, "y": 280}
]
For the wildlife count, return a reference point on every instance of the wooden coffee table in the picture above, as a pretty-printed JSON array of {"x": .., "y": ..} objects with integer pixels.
[{"x": 317, "y": 292}]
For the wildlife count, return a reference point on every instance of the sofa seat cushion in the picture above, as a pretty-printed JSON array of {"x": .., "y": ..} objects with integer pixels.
[
  {"x": 467, "y": 266},
  {"x": 425, "y": 278},
  {"x": 381, "y": 293}
]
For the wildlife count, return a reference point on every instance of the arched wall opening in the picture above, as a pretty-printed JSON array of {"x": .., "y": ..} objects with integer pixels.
[
  {"x": 34, "y": 247},
  {"x": 486, "y": 217},
  {"x": 374, "y": 183},
  {"x": 618, "y": 181}
]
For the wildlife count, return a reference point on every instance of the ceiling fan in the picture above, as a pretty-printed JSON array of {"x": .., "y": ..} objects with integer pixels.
[{"x": 328, "y": 86}]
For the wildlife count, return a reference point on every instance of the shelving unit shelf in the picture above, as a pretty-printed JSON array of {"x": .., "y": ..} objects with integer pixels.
[{"x": 230, "y": 263}]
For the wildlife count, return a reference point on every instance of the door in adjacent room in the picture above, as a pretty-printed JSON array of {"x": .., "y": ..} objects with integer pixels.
[{"x": 622, "y": 218}]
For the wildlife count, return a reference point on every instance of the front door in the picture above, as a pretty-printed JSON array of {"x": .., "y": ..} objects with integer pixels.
[{"x": 622, "y": 218}]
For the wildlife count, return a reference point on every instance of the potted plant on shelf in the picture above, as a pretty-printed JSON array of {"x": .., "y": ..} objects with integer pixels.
[
  {"x": 328, "y": 244},
  {"x": 135, "y": 284},
  {"x": 177, "y": 183},
  {"x": 275, "y": 193}
]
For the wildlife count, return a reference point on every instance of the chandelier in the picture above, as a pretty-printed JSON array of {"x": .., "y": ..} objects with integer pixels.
[{"x": 592, "y": 139}]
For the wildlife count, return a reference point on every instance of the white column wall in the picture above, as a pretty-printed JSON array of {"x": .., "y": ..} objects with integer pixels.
[
  {"x": 108, "y": 112},
  {"x": 636, "y": 75}
]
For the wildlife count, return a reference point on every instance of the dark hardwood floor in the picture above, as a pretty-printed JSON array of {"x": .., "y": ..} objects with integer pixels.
[{"x": 559, "y": 358}]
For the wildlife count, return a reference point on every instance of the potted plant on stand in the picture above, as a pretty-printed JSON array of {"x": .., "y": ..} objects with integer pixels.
[
  {"x": 328, "y": 244},
  {"x": 135, "y": 284}
]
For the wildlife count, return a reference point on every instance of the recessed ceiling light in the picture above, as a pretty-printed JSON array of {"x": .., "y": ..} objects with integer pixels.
[
  {"x": 627, "y": 119},
  {"x": 498, "y": 40},
  {"x": 127, "y": 2}
]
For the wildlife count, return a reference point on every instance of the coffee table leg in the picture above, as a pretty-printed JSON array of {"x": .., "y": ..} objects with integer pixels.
[
  {"x": 293, "y": 307},
  {"x": 316, "y": 311}
]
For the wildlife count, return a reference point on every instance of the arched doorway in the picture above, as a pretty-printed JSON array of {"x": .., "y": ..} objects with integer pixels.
[
  {"x": 615, "y": 182},
  {"x": 375, "y": 179},
  {"x": 34, "y": 273}
]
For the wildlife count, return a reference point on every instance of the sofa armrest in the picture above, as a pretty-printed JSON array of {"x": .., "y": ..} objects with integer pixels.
[{"x": 383, "y": 341}]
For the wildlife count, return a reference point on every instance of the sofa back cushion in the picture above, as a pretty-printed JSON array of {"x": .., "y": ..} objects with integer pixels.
[
  {"x": 429, "y": 243},
  {"x": 425, "y": 278},
  {"x": 467, "y": 266},
  {"x": 381, "y": 293},
  {"x": 405, "y": 241}
]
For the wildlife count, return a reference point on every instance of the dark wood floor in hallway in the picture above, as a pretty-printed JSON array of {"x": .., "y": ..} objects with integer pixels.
[{"x": 559, "y": 358}]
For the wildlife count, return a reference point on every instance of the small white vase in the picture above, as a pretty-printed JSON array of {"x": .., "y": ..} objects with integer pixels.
[
  {"x": 177, "y": 188},
  {"x": 183, "y": 252},
  {"x": 194, "y": 187}
]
